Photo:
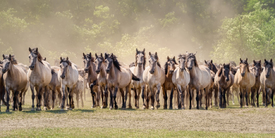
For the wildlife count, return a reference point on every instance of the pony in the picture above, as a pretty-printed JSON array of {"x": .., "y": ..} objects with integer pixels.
[
  {"x": 169, "y": 68},
  {"x": 154, "y": 77},
  {"x": 68, "y": 76},
  {"x": 255, "y": 90},
  {"x": 100, "y": 66},
  {"x": 137, "y": 70},
  {"x": 118, "y": 77},
  {"x": 267, "y": 79},
  {"x": 224, "y": 79},
  {"x": 200, "y": 79},
  {"x": 245, "y": 80},
  {"x": 214, "y": 70},
  {"x": 15, "y": 80},
  {"x": 39, "y": 76},
  {"x": 181, "y": 79},
  {"x": 89, "y": 68}
]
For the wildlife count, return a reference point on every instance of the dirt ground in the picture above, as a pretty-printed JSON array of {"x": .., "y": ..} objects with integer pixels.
[{"x": 232, "y": 119}]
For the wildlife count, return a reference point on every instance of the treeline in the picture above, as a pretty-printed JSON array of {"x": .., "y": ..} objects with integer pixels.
[{"x": 70, "y": 27}]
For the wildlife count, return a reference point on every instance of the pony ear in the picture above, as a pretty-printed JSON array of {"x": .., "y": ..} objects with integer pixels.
[
  {"x": 45, "y": 59},
  {"x": 246, "y": 60},
  {"x": 3, "y": 56},
  {"x": 150, "y": 54},
  {"x": 260, "y": 62},
  {"x": 90, "y": 54},
  {"x": 61, "y": 59},
  {"x": 254, "y": 62},
  {"x": 156, "y": 53},
  {"x": 84, "y": 56},
  {"x": 96, "y": 55},
  {"x": 174, "y": 59},
  {"x": 67, "y": 58},
  {"x": 211, "y": 61},
  {"x": 223, "y": 64},
  {"x": 205, "y": 61},
  {"x": 271, "y": 60},
  {"x": 101, "y": 54},
  {"x": 30, "y": 49},
  {"x": 112, "y": 55},
  {"x": 10, "y": 57},
  {"x": 36, "y": 49},
  {"x": 241, "y": 60},
  {"x": 143, "y": 51},
  {"x": 106, "y": 55},
  {"x": 136, "y": 50},
  {"x": 167, "y": 58}
]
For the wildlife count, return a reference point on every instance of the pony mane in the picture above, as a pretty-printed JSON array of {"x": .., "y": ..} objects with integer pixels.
[
  {"x": 188, "y": 55},
  {"x": 219, "y": 72},
  {"x": 36, "y": 52},
  {"x": 156, "y": 57},
  {"x": 116, "y": 63}
]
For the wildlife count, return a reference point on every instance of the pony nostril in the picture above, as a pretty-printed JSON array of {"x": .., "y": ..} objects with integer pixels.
[
  {"x": 242, "y": 74},
  {"x": 97, "y": 71}
]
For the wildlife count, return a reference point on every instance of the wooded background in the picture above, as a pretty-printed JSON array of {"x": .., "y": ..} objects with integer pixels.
[{"x": 222, "y": 30}]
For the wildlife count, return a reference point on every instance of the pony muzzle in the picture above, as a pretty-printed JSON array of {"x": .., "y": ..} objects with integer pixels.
[
  {"x": 152, "y": 71},
  {"x": 4, "y": 71},
  {"x": 86, "y": 70},
  {"x": 242, "y": 74},
  {"x": 31, "y": 67},
  {"x": 62, "y": 76},
  {"x": 97, "y": 71},
  {"x": 267, "y": 76},
  {"x": 107, "y": 70}
]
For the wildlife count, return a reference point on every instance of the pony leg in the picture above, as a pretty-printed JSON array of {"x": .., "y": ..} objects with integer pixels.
[
  {"x": 157, "y": 96},
  {"x": 63, "y": 98},
  {"x": 81, "y": 97},
  {"x": 138, "y": 96},
  {"x": 220, "y": 97},
  {"x": 241, "y": 97},
  {"x": 39, "y": 95},
  {"x": 227, "y": 97},
  {"x": 171, "y": 99},
  {"x": 20, "y": 100},
  {"x": 128, "y": 91},
  {"x": 143, "y": 96},
  {"x": 46, "y": 99},
  {"x": 8, "y": 99},
  {"x": 93, "y": 95},
  {"x": 148, "y": 92},
  {"x": 181, "y": 95},
  {"x": 224, "y": 102},
  {"x": 77, "y": 99},
  {"x": 198, "y": 98},
  {"x": 53, "y": 97},
  {"x": 33, "y": 96},
  {"x": 111, "y": 98},
  {"x": 114, "y": 97},
  {"x": 252, "y": 97},
  {"x": 105, "y": 93},
  {"x": 164, "y": 92},
  {"x": 257, "y": 96},
  {"x": 246, "y": 97},
  {"x": 152, "y": 97},
  {"x": 272, "y": 93},
  {"x": 14, "y": 100},
  {"x": 135, "y": 95},
  {"x": 190, "y": 98}
]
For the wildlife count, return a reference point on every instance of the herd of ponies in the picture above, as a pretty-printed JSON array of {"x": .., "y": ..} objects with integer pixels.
[{"x": 183, "y": 79}]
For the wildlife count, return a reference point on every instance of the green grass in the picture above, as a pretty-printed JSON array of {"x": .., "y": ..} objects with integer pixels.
[{"x": 117, "y": 132}]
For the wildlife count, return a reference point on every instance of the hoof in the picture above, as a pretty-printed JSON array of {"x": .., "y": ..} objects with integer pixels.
[
  {"x": 130, "y": 107},
  {"x": 144, "y": 107},
  {"x": 102, "y": 107},
  {"x": 152, "y": 107},
  {"x": 20, "y": 109},
  {"x": 157, "y": 106},
  {"x": 7, "y": 111},
  {"x": 32, "y": 109},
  {"x": 170, "y": 108},
  {"x": 111, "y": 108},
  {"x": 165, "y": 107},
  {"x": 70, "y": 108},
  {"x": 183, "y": 108},
  {"x": 62, "y": 109},
  {"x": 38, "y": 109},
  {"x": 116, "y": 107},
  {"x": 45, "y": 108},
  {"x": 137, "y": 107},
  {"x": 93, "y": 106},
  {"x": 176, "y": 107}
]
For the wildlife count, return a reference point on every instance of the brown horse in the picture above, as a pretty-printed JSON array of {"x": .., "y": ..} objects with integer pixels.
[
  {"x": 255, "y": 90},
  {"x": 100, "y": 66},
  {"x": 154, "y": 77},
  {"x": 15, "y": 80},
  {"x": 90, "y": 68},
  {"x": 117, "y": 78},
  {"x": 214, "y": 70},
  {"x": 137, "y": 69},
  {"x": 200, "y": 79},
  {"x": 245, "y": 80},
  {"x": 39, "y": 75},
  {"x": 268, "y": 80},
  {"x": 169, "y": 68},
  {"x": 224, "y": 80}
]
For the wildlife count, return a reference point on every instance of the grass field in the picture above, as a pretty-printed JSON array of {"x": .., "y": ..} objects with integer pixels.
[{"x": 87, "y": 122}]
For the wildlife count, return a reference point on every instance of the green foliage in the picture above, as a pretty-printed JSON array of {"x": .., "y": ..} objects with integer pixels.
[{"x": 246, "y": 36}]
